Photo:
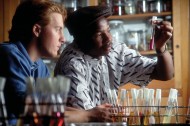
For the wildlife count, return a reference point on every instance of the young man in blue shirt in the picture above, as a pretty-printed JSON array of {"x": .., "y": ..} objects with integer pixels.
[{"x": 36, "y": 32}]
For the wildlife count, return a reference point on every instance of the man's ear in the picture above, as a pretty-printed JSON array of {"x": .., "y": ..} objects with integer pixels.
[{"x": 36, "y": 30}]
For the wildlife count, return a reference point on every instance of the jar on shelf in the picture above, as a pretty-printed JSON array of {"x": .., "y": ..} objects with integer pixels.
[
  {"x": 167, "y": 5},
  {"x": 136, "y": 39},
  {"x": 117, "y": 30},
  {"x": 105, "y": 3},
  {"x": 141, "y": 6},
  {"x": 129, "y": 7},
  {"x": 142, "y": 44},
  {"x": 118, "y": 7},
  {"x": 71, "y": 5},
  {"x": 155, "y": 6}
]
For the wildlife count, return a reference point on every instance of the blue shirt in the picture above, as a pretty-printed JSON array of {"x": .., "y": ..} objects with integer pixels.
[{"x": 15, "y": 66}]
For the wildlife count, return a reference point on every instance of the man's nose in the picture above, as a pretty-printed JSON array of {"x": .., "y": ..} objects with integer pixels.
[
  {"x": 62, "y": 39},
  {"x": 108, "y": 37}
]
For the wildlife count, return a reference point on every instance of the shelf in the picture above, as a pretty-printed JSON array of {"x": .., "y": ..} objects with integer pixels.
[
  {"x": 138, "y": 16},
  {"x": 151, "y": 52}
]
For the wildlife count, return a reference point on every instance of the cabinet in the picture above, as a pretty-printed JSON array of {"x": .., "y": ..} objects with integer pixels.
[{"x": 181, "y": 53}]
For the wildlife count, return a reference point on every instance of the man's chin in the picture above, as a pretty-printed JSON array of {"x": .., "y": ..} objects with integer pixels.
[
  {"x": 106, "y": 52},
  {"x": 52, "y": 55}
]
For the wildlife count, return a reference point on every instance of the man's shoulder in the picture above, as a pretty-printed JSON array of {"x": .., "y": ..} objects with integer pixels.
[
  {"x": 8, "y": 49},
  {"x": 7, "y": 46},
  {"x": 71, "y": 51},
  {"x": 71, "y": 56}
]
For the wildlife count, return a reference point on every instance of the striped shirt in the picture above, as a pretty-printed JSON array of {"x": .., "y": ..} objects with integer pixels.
[{"x": 91, "y": 78}]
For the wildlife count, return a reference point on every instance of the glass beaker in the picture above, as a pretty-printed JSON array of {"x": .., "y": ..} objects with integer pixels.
[{"x": 117, "y": 30}]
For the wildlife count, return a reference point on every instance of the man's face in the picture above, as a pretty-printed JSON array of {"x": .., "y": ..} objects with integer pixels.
[
  {"x": 51, "y": 36},
  {"x": 101, "y": 39}
]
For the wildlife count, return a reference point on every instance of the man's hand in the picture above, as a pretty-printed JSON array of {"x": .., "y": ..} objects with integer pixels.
[
  {"x": 163, "y": 33},
  {"x": 101, "y": 113}
]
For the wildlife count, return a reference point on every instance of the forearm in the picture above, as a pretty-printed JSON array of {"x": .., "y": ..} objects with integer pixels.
[
  {"x": 164, "y": 69},
  {"x": 76, "y": 116},
  {"x": 98, "y": 114}
]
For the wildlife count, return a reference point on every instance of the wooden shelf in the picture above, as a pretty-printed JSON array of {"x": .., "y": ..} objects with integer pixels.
[
  {"x": 151, "y": 52},
  {"x": 138, "y": 16}
]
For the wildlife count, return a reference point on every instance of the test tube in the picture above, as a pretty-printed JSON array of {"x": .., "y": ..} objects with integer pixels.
[
  {"x": 3, "y": 111},
  {"x": 171, "y": 104},
  {"x": 151, "y": 46},
  {"x": 157, "y": 106}
]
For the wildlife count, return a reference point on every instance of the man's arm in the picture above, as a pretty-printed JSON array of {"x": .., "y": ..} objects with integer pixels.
[
  {"x": 98, "y": 114},
  {"x": 164, "y": 69}
]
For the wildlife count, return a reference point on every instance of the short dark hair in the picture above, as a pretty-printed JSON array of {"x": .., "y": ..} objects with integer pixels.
[{"x": 30, "y": 12}]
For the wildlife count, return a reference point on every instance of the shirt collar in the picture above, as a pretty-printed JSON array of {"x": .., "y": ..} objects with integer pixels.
[
  {"x": 89, "y": 58},
  {"x": 23, "y": 50}
]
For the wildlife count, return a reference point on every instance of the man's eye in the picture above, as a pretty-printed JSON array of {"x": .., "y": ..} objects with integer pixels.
[
  {"x": 58, "y": 29},
  {"x": 99, "y": 34}
]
